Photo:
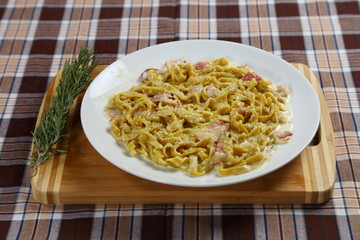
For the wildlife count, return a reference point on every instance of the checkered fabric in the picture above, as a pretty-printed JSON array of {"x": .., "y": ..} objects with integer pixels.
[{"x": 37, "y": 36}]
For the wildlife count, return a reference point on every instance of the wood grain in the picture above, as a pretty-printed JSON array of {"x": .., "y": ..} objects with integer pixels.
[{"x": 83, "y": 176}]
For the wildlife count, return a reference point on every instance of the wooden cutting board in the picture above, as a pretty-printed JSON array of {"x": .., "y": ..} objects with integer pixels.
[{"x": 82, "y": 176}]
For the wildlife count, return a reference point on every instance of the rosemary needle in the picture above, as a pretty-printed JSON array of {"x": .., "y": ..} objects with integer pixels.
[{"x": 75, "y": 77}]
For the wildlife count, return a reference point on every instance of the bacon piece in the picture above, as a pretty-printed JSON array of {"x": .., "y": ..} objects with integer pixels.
[
  {"x": 196, "y": 89},
  {"x": 250, "y": 75},
  {"x": 212, "y": 91},
  {"x": 145, "y": 74},
  {"x": 172, "y": 63},
  {"x": 112, "y": 113},
  {"x": 219, "y": 154},
  {"x": 201, "y": 65},
  {"x": 219, "y": 124},
  {"x": 283, "y": 136},
  {"x": 283, "y": 90},
  {"x": 218, "y": 128},
  {"x": 215, "y": 131},
  {"x": 167, "y": 99}
]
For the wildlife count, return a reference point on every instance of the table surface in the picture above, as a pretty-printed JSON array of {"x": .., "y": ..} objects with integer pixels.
[{"x": 36, "y": 37}]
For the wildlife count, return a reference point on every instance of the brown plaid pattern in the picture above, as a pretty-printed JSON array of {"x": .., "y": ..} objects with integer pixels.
[{"x": 36, "y": 37}]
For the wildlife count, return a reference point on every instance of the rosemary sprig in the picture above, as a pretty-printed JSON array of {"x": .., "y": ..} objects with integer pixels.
[{"x": 75, "y": 77}]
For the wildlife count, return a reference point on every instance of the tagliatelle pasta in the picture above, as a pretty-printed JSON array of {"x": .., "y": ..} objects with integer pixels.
[{"x": 203, "y": 116}]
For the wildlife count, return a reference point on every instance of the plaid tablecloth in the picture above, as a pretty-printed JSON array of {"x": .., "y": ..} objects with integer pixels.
[{"x": 36, "y": 37}]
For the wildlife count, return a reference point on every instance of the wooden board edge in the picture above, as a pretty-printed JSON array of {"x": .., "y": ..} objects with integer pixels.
[
  {"x": 40, "y": 181},
  {"x": 319, "y": 186},
  {"x": 46, "y": 176}
]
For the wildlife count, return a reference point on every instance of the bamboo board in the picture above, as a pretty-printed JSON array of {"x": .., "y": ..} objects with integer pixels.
[{"x": 82, "y": 176}]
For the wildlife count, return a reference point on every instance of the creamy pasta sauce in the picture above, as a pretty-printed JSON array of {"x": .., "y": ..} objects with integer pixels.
[{"x": 200, "y": 117}]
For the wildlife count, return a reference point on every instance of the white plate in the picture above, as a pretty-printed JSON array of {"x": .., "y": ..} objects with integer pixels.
[{"x": 123, "y": 73}]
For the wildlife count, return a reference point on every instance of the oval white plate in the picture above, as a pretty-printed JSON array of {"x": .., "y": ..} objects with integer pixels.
[{"x": 123, "y": 73}]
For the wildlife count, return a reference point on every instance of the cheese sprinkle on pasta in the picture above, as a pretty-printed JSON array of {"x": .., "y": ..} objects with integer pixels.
[{"x": 202, "y": 117}]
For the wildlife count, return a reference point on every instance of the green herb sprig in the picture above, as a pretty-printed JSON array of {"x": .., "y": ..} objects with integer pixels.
[{"x": 75, "y": 77}]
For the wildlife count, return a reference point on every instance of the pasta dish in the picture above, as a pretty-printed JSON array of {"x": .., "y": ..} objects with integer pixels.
[{"x": 201, "y": 117}]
